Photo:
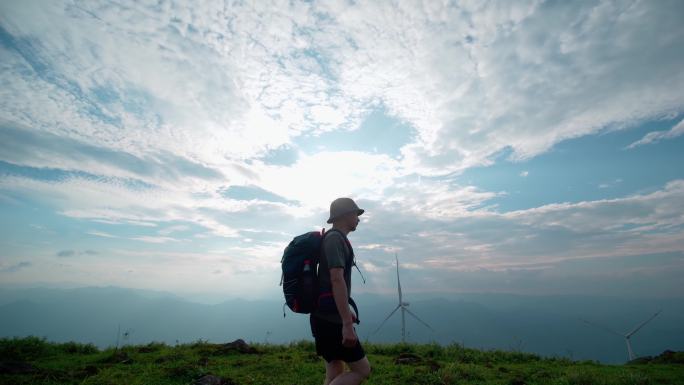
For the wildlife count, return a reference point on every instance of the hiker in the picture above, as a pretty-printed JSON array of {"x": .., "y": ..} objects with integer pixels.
[{"x": 332, "y": 322}]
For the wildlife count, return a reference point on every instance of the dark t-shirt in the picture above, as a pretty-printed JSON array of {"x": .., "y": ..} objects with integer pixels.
[{"x": 336, "y": 253}]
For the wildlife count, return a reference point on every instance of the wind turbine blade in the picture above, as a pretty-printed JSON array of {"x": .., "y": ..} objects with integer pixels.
[
  {"x": 603, "y": 328},
  {"x": 636, "y": 329},
  {"x": 421, "y": 321},
  {"x": 388, "y": 317},
  {"x": 398, "y": 281}
]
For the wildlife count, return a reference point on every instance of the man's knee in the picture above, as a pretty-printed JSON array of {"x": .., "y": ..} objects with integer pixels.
[
  {"x": 334, "y": 369},
  {"x": 365, "y": 373},
  {"x": 361, "y": 367}
]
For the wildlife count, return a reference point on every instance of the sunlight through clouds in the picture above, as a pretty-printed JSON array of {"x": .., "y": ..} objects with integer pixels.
[
  {"x": 153, "y": 127},
  {"x": 312, "y": 180}
]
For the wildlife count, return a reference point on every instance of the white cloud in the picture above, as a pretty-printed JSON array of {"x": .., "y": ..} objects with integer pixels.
[
  {"x": 538, "y": 238},
  {"x": 370, "y": 267},
  {"x": 656, "y": 136},
  {"x": 100, "y": 234},
  {"x": 466, "y": 238},
  {"x": 149, "y": 239},
  {"x": 610, "y": 183},
  {"x": 436, "y": 199},
  {"x": 172, "y": 229},
  {"x": 183, "y": 99},
  {"x": 524, "y": 174},
  {"x": 111, "y": 201},
  {"x": 510, "y": 75},
  {"x": 259, "y": 258},
  {"x": 377, "y": 246},
  {"x": 658, "y": 209},
  {"x": 16, "y": 267},
  {"x": 472, "y": 79}
]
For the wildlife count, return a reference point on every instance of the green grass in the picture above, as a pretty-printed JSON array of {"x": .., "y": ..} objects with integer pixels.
[{"x": 296, "y": 363}]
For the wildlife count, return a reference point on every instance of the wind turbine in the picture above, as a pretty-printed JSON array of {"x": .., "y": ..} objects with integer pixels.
[
  {"x": 404, "y": 309},
  {"x": 630, "y": 352}
]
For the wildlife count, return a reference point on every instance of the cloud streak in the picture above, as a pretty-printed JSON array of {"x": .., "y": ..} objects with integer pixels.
[
  {"x": 656, "y": 136},
  {"x": 16, "y": 267},
  {"x": 75, "y": 253},
  {"x": 541, "y": 237}
]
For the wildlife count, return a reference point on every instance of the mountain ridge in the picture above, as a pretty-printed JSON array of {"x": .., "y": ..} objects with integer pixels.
[{"x": 541, "y": 325}]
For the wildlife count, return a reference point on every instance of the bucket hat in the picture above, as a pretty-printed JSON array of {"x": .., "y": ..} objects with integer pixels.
[{"x": 342, "y": 206}]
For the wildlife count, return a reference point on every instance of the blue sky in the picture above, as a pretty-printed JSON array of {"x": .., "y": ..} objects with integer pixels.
[{"x": 526, "y": 147}]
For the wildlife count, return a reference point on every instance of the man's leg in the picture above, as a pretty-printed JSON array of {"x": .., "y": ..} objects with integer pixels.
[
  {"x": 333, "y": 369},
  {"x": 359, "y": 371}
]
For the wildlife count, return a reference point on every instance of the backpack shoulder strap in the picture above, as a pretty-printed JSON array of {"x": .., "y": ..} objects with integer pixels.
[
  {"x": 346, "y": 240},
  {"x": 351, "y": 250}
]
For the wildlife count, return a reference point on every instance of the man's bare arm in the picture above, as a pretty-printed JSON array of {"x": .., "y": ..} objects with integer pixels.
[{"x": 339, "y": 289}]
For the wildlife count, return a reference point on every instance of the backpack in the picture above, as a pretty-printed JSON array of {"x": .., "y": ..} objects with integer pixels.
[{"x": 299, "y": 277}]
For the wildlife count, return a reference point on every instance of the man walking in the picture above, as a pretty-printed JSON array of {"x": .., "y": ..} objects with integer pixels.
[{"x": 332, "y": 323}]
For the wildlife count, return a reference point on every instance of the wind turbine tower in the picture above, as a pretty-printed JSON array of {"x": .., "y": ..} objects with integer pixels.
[
  {"x": 404, "y": 309},
  {"x": 630, "y": 352}
]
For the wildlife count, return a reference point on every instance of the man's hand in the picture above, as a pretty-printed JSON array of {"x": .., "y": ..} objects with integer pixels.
[{"x": 349, "y": 337}]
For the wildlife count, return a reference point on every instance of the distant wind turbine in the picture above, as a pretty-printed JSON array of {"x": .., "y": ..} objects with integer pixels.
[
  {"x": 404, "y": 309},
  {"x": 630, "y": 352}
]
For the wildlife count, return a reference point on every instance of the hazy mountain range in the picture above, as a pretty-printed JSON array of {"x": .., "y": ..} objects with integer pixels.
[{"x": 547, "y": 325}]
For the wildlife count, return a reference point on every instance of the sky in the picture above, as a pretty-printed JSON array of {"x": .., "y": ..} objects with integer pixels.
[{"x": 529, "y": 147}]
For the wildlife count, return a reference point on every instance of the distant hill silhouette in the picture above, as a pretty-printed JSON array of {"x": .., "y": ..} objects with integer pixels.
[{"x": 546, "y": 325}]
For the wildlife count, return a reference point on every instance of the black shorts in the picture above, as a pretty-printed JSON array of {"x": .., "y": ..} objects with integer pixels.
[{"x": 328, "y": 336}]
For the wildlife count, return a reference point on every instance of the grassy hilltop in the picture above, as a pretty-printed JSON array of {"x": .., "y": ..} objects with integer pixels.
[{"x": 33, "y": 360}]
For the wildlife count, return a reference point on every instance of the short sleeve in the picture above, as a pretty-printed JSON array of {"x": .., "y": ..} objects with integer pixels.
[{"x": 334, "y": 250}]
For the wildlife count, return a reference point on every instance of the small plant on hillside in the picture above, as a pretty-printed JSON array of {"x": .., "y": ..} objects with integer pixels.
[
  {"x": 584, "y": 377},
  {"x": 628, "y": 378},
  {"x": 77, "y": 348},
  {"x": 24, "y": 349}
]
